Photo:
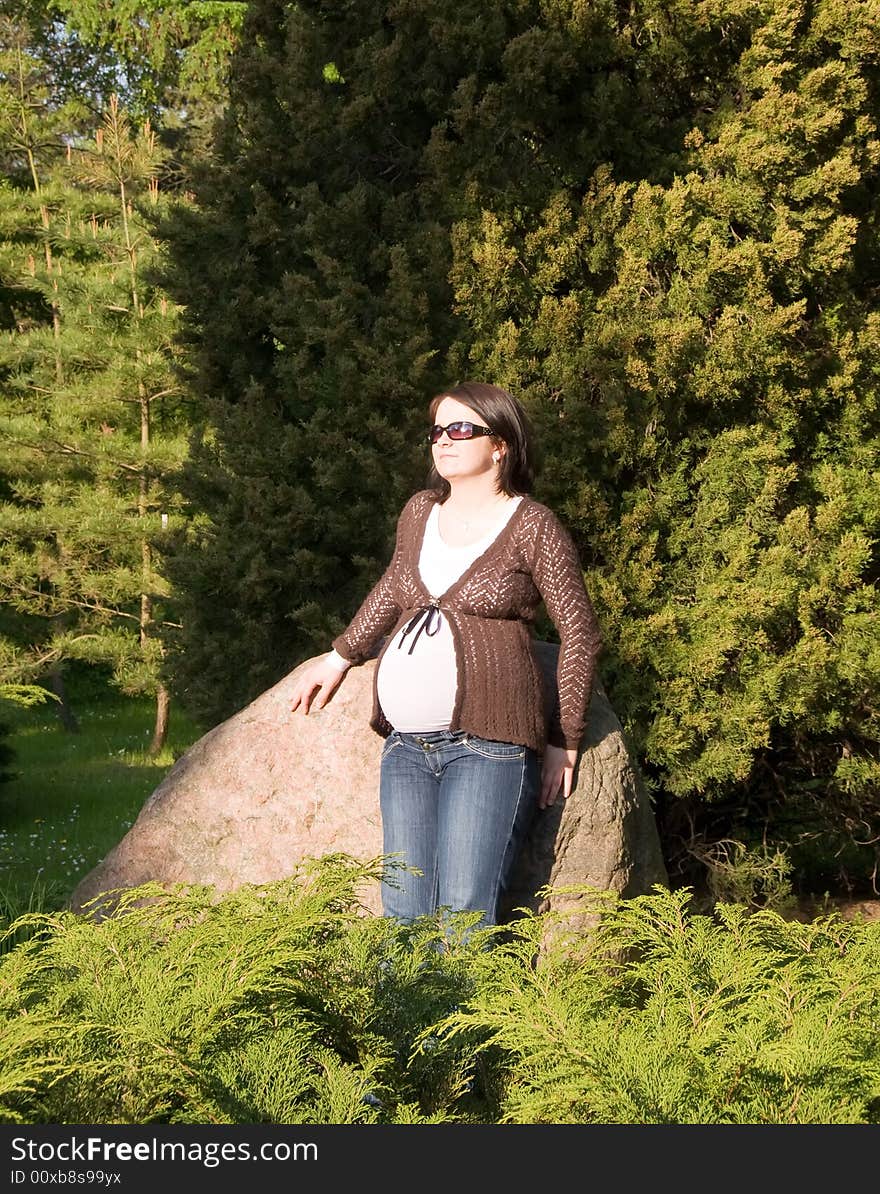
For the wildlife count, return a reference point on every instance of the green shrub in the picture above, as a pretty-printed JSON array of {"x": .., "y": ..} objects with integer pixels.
[
  {"x": 659, "y": 1016},
  {"x": 286, "y": 1004},
  {"x": 281, "y": 1003}
]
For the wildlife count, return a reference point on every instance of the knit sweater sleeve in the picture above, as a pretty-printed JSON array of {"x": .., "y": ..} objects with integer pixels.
[
  {"x": 557, "y": 573},
  {"x": 379, "y": 610}
]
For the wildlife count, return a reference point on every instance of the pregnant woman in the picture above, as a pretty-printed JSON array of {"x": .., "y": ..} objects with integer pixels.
[{"x": 458, "y": 697}]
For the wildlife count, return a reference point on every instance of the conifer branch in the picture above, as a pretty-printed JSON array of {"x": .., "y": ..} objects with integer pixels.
[
  {"x": 73, "y": 602},
  {"x": 57, "y": 448}
]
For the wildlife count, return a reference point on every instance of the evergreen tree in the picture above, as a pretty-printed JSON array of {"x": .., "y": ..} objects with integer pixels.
[
  {"x": 30, "y": 150},
  {"x": 314, "y": 279},
  {"x": 701, "y": 351},
  {"x": 92, "y": 416}
]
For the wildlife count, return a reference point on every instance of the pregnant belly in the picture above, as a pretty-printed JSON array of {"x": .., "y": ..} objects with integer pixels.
[{"x": 417, "y": 689}]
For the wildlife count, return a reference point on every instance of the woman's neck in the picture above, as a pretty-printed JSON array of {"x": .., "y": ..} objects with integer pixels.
[{"x": 470, "y": 494}]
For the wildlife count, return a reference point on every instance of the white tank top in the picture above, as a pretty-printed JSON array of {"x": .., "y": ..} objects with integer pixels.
[{"x": 417, "y": 687}]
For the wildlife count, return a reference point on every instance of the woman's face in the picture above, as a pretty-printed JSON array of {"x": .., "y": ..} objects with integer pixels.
[{"x": 461, "y": 458}]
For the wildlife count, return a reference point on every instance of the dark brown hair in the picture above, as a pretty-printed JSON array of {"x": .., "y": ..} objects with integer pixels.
[{"x": 510, "y": 424}]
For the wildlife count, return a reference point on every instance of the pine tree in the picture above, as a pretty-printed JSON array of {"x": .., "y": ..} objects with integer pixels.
[
  {"x": 316, "y": 281},
  {"x": 30, "y": 149},
  {"x": 92, "y": 412}
]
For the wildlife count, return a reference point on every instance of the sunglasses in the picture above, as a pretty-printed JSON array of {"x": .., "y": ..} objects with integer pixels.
[{"x": 458, "y": 431}]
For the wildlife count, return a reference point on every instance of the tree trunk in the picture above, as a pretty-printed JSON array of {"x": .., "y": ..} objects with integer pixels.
[
  {"x": 160, "y": 733},
  {"x": 56, "y": 680}
]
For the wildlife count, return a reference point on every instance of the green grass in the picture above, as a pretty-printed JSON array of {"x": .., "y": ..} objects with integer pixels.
[{"x": 76, "y": 795}]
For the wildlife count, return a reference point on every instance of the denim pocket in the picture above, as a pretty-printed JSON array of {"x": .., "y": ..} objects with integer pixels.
[{"x": 490, "y": 749}]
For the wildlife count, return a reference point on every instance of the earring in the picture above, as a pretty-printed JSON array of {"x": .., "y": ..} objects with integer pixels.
[{"x": 496, "y": 456}]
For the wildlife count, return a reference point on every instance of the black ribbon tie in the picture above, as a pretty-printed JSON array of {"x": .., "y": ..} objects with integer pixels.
[{"x": 422, "y": 619}]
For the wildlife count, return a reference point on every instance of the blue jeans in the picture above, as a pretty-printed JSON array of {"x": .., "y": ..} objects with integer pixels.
[{"x": 456, "y": 807}]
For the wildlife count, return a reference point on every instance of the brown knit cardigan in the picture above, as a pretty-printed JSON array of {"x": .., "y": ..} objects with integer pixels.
[{"x": 490, "y": 610}]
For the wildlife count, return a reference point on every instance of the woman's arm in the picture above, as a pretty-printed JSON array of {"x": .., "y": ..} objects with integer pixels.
[
  {"x": 320, "y": 680},
  {"x": 377, "y": 614},
  {"x": 379, "y": 611},
  {"x": 557, "y": 573}
]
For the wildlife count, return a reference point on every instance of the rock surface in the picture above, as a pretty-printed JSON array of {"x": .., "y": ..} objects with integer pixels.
[{"x": 267, "y": 788}]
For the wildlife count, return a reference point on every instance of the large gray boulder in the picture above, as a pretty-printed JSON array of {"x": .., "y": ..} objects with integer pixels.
[{"x": 268, "y": 788}]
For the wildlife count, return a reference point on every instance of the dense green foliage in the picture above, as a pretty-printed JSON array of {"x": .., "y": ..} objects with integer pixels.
[
  {"x": 314, "y": 280},
  {"x": 168, "y": 53},
  {"x": 284, "y": 1004},
  {"x": 702, "y": 337},
  {"x": 657, "y": 224}
]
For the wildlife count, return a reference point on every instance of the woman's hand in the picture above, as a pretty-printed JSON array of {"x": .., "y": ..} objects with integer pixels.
[
  {"x": 557, "y": 772},
  {"x": 322, "y": 677}
]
